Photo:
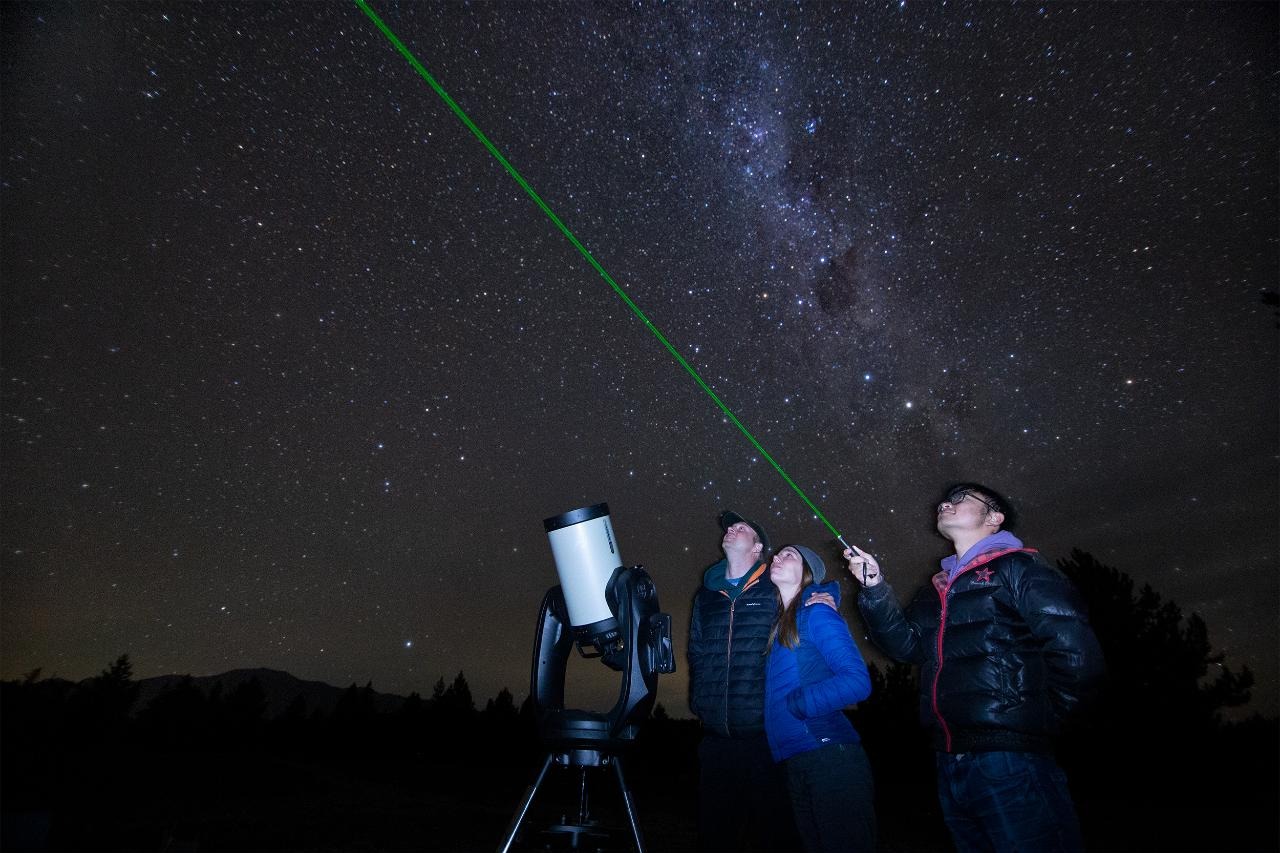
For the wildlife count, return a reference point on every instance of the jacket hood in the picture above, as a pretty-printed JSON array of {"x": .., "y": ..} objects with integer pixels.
[
  {"x": 995, "y": 542},
  {"x": 713, "y": 577}
]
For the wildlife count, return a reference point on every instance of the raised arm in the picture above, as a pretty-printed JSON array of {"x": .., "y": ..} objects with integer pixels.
[{"x": 887, "y": 624}]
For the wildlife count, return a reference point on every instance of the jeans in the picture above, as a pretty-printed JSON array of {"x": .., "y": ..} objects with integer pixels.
[
  {"x": 1006, "y": 802},
  {"x": 742, "y": 797},
  {"x": 833, "y": 798}
]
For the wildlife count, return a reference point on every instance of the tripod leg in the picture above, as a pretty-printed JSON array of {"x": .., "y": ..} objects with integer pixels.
[
  {"x": 523, "y": 809},
  {"x": 630, "y": 805},
  {"x": 584, "y": 814}
]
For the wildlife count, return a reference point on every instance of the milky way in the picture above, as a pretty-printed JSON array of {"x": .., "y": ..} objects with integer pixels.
[{"x": 293, "y": 371}]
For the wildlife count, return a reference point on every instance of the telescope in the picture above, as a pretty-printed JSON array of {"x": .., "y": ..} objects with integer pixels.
[{"x": 608, "y": 611}]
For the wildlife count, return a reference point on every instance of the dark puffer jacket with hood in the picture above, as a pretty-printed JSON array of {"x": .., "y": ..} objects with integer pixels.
[{"x": 1005, "y": 650}]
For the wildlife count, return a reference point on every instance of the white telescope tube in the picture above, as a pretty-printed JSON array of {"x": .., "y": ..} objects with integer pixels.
[{"x": 586, "y": 555}]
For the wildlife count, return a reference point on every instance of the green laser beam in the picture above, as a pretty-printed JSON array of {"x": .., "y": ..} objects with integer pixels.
[{"x": 622, "y": 294}]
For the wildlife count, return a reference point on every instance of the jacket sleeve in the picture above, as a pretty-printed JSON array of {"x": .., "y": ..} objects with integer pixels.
[
  {"x": 1054, "y": 611},
  {"x": 849, "y": 681},
  {"x": 888, "y": 626},
  {"x": 695, "y": 653}
]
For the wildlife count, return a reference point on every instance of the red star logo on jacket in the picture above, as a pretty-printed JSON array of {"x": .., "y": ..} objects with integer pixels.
[{"x": 982, "y": 575}]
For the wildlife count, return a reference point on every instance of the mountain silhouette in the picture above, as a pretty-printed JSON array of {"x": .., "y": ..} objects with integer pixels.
[{"x": 280, "y": 689}]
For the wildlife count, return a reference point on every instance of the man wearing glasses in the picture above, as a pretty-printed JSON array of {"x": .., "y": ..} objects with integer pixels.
[{"x": 1006, "y": 656}]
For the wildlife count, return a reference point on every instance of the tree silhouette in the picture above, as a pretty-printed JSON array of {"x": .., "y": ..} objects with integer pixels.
[
  {"x": 502, "y": 708},
  {"x": 457, "y": 700},
  {"x": 501, "y": 733},
  {"x": 355, "y": 707},
  {"x": 1156, "y": 748},
  {"x": 893, "y": 700},
  {"x": 1156, "y": 768},
  {"x": 114, "y": 688},
  {"x": 354, "y": 721},
  {"x": 413, "y": 705},
  {"x": 901, "y": 757},
  {"x": 453, "y": 718},
  {"x": 1156, "y": 659},
  {"x": 101, "y": 706},
  {"x": 178, "y": 718},
  {"x": 32, "y": 739},
  {"x": 296, "y": 713},
  {"x": 292, "y": 732},
  {"x": 242, "y": 714}
]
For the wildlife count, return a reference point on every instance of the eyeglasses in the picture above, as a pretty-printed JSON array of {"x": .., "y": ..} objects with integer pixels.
[{"x": 958, "y": 497}]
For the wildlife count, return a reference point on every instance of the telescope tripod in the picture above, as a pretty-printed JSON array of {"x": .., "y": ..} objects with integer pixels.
[
  {"x": 582, "y": 828},
  {"x": 638, "y": 646}
]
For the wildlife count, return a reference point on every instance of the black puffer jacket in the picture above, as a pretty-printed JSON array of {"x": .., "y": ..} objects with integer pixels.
[
  {"x": 1018, "y": 655},
  {"x": 727, "y": 641}
]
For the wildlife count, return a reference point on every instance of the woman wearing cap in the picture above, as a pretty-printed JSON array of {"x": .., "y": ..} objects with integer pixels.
[{"x": 814, "y": 671}]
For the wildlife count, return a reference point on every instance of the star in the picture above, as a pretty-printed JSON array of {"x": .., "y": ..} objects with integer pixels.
[{"x": 895, "y": 274}]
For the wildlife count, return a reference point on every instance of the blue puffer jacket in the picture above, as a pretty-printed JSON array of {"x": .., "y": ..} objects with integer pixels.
[{"x": 807, "y": 688}]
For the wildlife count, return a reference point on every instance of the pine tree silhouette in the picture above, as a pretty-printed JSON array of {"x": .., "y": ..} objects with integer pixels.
[
  {"x": 1156, "y": 658},
  {"x": 1156, "y": 748}
]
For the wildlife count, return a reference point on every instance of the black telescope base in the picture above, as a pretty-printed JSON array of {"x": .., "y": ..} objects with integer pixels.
[{"x": 582, "y": 744}]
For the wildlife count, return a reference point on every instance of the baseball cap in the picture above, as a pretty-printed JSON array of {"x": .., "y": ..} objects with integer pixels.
[{"x": 728, "y": 518}]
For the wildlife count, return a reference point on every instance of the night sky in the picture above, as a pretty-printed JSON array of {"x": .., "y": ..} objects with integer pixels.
[{"x": 293, "y": 371}]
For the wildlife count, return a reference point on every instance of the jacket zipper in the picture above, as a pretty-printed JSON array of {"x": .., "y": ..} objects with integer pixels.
[
  {"x": 752, "y": 577},
  {"x": 728, "y": 665},
  {"x": 982, "y": 559},
  {"x": 937, "y": 672}
]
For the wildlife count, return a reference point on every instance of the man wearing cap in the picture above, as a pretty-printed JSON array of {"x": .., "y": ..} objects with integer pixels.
[
  {"x": 742, "y": 792},
  {"x": 1006, "y": 658}
]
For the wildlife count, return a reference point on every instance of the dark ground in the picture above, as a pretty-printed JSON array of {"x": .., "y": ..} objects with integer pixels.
[
  {"x": 239, "y": 801},
  {"x": 205, "y": 767}
]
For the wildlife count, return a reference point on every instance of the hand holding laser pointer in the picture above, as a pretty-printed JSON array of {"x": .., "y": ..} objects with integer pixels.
[{"x": 862, "y": 565}]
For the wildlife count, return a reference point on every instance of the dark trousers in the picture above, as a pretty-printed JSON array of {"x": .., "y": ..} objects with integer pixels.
[
  {"x": 742, "y": 797},
  {"x": 833, "y": 798},
  {"x": 1007, "y": 802}
]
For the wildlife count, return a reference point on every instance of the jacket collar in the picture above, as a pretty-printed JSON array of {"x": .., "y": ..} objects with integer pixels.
[
  {"x": 1001, "y": 540},
  {"x": 714, "y": 579}
]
